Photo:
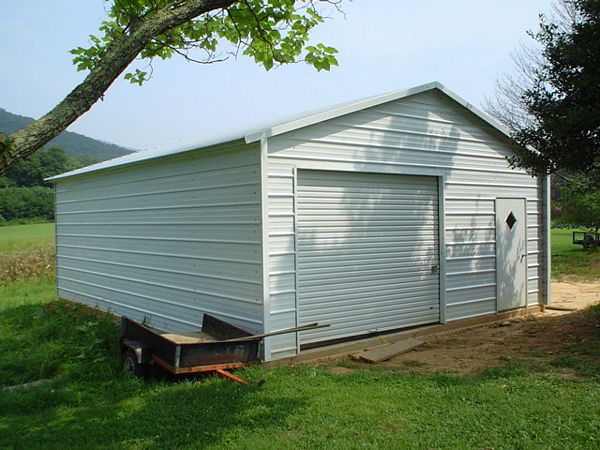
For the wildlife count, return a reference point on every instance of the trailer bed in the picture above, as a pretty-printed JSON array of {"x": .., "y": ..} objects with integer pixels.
[
  {"x": 221, "y": 346},
  {"x": 189, "y": 338}
]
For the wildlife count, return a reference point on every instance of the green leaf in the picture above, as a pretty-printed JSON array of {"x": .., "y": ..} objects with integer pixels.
[{"x": 268, "y": 31}]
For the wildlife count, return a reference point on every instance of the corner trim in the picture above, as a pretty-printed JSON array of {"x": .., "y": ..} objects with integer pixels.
[
  {"x": 264, "y": 224},
  {"x": 442, "y": 245},
  {"x": 546, "y": 189}
]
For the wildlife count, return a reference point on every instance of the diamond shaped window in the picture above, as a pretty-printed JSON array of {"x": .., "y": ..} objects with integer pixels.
[{"x": 511, "y": 220}]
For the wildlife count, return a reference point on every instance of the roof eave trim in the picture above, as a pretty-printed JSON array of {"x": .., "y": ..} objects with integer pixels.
[{"x": 103, "y": 166}]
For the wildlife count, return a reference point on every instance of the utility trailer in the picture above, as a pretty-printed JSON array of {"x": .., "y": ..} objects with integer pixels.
[
  {"x": 588, "y": 239},
  {"x": 219, "y": 347}
]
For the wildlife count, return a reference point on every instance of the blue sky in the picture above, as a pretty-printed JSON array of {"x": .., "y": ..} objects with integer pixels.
[{"x": 384, "y": 45}]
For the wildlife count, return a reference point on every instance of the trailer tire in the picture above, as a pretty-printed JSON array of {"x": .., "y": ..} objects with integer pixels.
[{"x": 131, "y": 366}]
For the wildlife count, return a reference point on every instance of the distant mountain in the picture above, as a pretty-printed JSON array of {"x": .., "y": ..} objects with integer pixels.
[{"x": 73, "y": 144}]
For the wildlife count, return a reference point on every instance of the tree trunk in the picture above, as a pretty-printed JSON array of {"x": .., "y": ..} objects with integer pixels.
[{"x": 119, "y": 54}]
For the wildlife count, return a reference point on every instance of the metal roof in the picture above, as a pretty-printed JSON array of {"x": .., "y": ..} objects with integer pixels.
[{"x": 295, "y": 123}]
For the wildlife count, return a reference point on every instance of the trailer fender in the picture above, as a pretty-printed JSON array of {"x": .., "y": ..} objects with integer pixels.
[{"x": 142, "y": 352}]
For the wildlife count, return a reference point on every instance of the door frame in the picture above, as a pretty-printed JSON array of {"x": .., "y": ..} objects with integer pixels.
[
  {"x": 497, "y": 232},
  {"x": 441, "y": 231}
]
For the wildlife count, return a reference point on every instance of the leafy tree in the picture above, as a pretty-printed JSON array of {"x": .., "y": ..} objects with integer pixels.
[
  {"x": 6, "y": 182},
  {"x": 23, "y": 192},
  {"x": 78, "y": 161},
  {"x": 33, "y": 170},
  {"x": 26, "y": 202},
  {"x": 272, "y": 32},
  {"x": 563, "y": 100},
  {"x": 579, "y": 205}
]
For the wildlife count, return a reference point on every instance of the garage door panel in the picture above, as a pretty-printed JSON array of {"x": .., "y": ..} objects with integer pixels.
[
  {"x": 367, "y": 183},
  {"x": 345, "y": 266},
  {"x": 401, "y": 203},
  {"x": 367, "y": 252},
  {"x": 377, "y": 274},
  {"x": 367, "y": 296},
  {"x": 360, "y": 282},
  {"x": 359, "y": 301},
  {"x": 394, "y": 213},
  {"x": 317, "y": 242},
  {"x": 325, "y": 238},
  {"x": 385, "y": 317},
  {"x": 371, "y": 229},
  {"x": 312, "y": 241},
  {"x": 372, "y": 257},
  {"x": 364, "y": 208},
  {"x": 385, "y": 323}
]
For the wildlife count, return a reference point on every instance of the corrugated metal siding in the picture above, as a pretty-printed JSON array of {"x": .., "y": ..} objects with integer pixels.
[
  {"x": 368, "y": 252},
  {"x": 425, "y": 134},
  {"x": 167, "y": 240}
]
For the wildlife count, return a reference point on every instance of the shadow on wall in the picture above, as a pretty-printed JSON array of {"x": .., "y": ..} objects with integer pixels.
[
  {"x": 380, "y": 261},
  {"x": 471, "y": 265}
]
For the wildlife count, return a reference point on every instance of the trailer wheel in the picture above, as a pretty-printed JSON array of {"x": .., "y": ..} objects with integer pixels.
[{"x": 131, "y": 367}]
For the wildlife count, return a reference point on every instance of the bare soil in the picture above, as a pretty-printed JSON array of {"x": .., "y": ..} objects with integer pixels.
[{"x": 539, "y": 337}]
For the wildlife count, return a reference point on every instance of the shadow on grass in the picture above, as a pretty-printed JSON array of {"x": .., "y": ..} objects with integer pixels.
[
  {"x": 88, "y": 402},
  {"x": 162, "y": 415},
  {"x": 56, "y": 339}
]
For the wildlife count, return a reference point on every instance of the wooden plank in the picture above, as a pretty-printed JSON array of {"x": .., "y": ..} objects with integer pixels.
[
  {"x": 385, "y": 352},
  {"x": 197, "y": 337}
]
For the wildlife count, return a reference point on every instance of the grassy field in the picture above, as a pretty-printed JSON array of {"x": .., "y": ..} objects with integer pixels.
[
  {"x": 570, "y": 262},
  {"x": 83, "y": 400},
  {"x": 21, "y": 237}
]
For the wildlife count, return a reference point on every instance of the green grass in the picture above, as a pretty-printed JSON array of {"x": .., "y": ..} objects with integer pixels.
[
  {"x": 571, "y": 262},
  {"x": 88, "y": 403},
  {"x": 20, "y": 237},
  {"x": 26, "y": 292}
]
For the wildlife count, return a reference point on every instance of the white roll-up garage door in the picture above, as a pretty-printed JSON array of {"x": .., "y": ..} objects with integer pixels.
[{"x": 367, "y": 249}]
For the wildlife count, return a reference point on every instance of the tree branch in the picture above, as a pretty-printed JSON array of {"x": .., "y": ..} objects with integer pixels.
[{"x": 118, "y": 55}]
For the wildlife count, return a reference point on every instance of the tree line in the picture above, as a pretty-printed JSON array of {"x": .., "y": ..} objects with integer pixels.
[{"x": 24, "y": 193}]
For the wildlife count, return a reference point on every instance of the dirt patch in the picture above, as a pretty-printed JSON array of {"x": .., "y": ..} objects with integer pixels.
[
  {"x": 575, "y": 295},
  {"x": 540, "y": 337}
]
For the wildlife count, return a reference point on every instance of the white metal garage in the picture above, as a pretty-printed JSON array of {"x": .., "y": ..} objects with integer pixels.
[
  {"x": 391, "y": 212},
  {"x": 368, "y": 256}
]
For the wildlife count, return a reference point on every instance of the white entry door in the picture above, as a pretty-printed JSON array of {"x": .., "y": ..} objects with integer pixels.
[{"x": 511, "y": 253}]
